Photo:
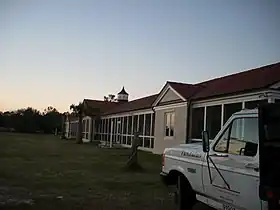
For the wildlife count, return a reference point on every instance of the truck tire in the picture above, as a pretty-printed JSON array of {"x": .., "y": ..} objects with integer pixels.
[{"x": 185, "y": 197}]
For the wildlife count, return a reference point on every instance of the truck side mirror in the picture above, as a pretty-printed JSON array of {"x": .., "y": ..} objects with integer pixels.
[{"x": 205, "y": 141}]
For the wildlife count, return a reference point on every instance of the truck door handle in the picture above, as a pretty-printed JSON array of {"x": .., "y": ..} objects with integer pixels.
[
  {"x": 252, "y": 166},
  {"x": 218, "y": 155}
]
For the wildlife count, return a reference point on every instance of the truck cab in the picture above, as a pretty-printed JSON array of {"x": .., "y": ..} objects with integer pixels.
[{"x": 223, "y": 174}]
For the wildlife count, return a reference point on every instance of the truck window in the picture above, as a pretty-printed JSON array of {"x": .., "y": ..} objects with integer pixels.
[{"x": 240, "y": 138}]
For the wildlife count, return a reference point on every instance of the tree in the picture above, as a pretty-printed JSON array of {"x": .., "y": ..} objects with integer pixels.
[
  {"x": 52, "y": 120},
  {"x": 30, "y": 120},
  {"x": 110, "y": 98},
  {"x": 1, "y": 119},
  {"x": 132, "y": 163},
  {"x": 78, "y": 110}
]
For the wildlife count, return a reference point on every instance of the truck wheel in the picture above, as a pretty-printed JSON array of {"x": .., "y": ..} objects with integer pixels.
[{"x": 185, "y": 197}]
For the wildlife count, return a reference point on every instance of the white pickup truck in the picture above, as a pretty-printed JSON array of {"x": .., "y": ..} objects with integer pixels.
[{"x": 223, "y": 174}]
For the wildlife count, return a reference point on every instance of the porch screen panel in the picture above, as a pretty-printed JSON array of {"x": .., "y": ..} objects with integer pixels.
[
  {"x": 125, "y": 125},
  {"x": 141, "y": 124},
  {"x": 102, "y": 126},
  {"x": 141, "y": 139},
  {"x": 147, "y": 142},
  {"x": 129, "y": 125},
  {"x": 118, "y": 125},
  {"x": 135, "y": 123},
  {"x": 147, "y": 125},
  {"x": 213, "y": 120},
  {"x": 106, "y": 126},
  {"x": 83, "y": 126},
  {"x": 230, "y": 109},
  {"x": 109, "y": 126},
  {"x": 254, "y": 104},
  {"x": 152, "y": 142},
  {"x": 121, "y": 125},
  {"x": 114, "y": 129},
  {"x": 122, "y": 131},
  {"x": 129, "y": 140},
  {"x": 87, "y": 125},
  {"x": 197, "y": 122},
  {"x": 153, "y": 124}
]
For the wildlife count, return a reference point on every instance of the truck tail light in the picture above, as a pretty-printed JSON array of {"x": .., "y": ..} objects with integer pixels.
[{"x": 269, "y": 194}]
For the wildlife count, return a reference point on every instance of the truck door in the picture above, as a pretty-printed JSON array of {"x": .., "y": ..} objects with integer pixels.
[{"x": 231, "y": 176}]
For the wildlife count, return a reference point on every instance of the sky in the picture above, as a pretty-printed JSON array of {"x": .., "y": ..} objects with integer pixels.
[{"x": 55, "y": 53}]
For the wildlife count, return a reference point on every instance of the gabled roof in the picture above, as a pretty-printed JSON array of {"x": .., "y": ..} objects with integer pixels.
[
  {"x": 185, "y": 90},
  {"x": 102, "y": 106},
  {"x": 259, "y": 78},
  {"x": 255, "y": 79},
  {"x": 138, "y": 104}
]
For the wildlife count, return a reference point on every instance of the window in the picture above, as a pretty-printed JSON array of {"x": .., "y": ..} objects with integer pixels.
[
  {"x": 147, "y": 125},
  {"x": 169, "y": 123},
  {"x": 197, "y": 122},
  {"x": 230, "y": 109},
  {"x": 240, "y": 138},
  {"x": 213, "y": 120},
  {"x": 254, "y": 104}
]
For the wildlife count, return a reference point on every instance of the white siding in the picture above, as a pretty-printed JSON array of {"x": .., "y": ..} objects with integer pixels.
[{"x": 161, "y": 142}]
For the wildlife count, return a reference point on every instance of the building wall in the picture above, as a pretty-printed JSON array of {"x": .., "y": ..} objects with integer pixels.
[
  {"x": 170, "y": 96},
  {"x": 180, "y": 123}
]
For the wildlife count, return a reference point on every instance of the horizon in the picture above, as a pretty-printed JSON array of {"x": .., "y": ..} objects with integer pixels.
[{"x": 57, "y": 53}]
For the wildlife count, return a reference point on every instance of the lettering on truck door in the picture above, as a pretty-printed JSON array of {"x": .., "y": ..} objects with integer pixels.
[{"x": 233, "y": 178}]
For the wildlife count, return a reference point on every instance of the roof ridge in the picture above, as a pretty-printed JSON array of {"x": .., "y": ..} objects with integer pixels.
[
  {"x": 142, "y": 98},
  {"x": 181, "y": 83},
  {"x": 86, "y": 99}
]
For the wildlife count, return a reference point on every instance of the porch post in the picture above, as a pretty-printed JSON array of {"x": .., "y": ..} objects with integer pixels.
[
  {"x": 111, "y": 136},
  {"x": 222, "y": 116}
]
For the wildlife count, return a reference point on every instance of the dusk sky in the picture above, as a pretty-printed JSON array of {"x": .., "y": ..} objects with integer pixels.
[{"x": 60, "y": 52}]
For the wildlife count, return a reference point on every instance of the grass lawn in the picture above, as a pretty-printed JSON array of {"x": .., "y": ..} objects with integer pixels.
[{"x": 59, "y": 174}]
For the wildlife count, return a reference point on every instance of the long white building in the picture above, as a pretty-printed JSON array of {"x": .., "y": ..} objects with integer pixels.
[{"x": 179, "y": 112}]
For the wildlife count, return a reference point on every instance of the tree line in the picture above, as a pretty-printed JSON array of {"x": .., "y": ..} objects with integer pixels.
[{"x": 30, "y": 120}]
